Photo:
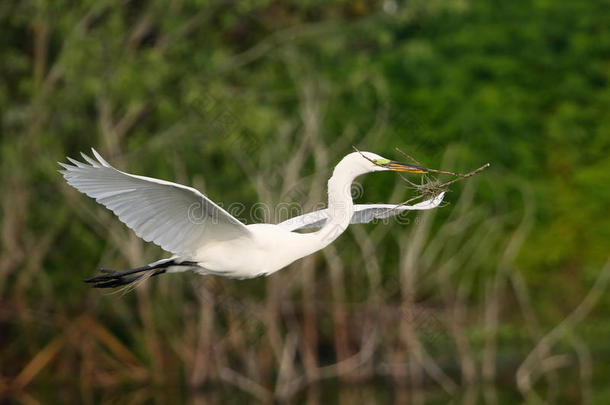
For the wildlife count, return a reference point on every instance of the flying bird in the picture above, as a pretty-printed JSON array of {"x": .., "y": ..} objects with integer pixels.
[{"x": 206, "y": 239}]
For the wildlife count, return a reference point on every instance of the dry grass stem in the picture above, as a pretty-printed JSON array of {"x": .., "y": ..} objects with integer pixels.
[{"x": 429, "y": 188}]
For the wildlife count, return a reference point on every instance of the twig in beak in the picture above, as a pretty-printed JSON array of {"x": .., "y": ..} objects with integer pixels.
[
  {"x": 411, "y": 158},
  {"x": 445, "y": 171},
  {"x": 464, "y": 176},
  {"x": 431, "y": 188}
]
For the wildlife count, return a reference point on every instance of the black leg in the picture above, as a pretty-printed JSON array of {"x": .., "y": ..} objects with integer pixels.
[
  {"x": 113, "y": 274},
  {"x": 113, "y": 278},
  {"x": 121, "y": 280}
]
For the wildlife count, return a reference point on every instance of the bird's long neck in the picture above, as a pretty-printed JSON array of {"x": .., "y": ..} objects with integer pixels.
[
  {"x": 340, "y": 209},
  {"x": 340, "y": 206}
]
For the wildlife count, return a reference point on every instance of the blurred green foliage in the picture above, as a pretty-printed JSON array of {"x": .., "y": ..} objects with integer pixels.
[{"x": 203, "y": 92}]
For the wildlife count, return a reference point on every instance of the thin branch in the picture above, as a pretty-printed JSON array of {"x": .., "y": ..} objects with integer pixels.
[
  {"x": 485, "y": 166},
  {"x": 411, "y": 158}
]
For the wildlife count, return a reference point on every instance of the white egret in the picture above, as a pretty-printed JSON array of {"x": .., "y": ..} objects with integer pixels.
[{"x": 215, "y": 242}]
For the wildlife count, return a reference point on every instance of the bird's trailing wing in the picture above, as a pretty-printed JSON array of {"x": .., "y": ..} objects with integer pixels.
[
  {"x": 363, "y": 213},
  {"x": 178, "y": 218}
]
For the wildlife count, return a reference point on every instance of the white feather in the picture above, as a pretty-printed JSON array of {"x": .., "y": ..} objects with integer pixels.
[
  {"x": 363, "y": 213},
  {"x": 178, "y": 218}
]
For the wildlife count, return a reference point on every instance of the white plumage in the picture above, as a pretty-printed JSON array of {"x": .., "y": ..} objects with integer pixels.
[
  {"x": 178, "y": 218},
  {"x": 205, "y": 238},
  {"x": 363, "y": 214}
]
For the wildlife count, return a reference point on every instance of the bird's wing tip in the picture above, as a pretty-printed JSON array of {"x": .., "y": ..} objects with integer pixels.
[
  {"x": 90, "y": 161},
  {"x": 100, "y": 158}
]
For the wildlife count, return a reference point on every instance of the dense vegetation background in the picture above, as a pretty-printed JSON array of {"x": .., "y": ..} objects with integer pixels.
[{"x": 497, "y": 297}]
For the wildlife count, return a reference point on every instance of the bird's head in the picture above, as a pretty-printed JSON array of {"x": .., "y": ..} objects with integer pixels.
[{"x": 371, "y": 162}]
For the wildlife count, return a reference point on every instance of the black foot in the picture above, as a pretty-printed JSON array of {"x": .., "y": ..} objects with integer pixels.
[{"x": 117, "y": 282}]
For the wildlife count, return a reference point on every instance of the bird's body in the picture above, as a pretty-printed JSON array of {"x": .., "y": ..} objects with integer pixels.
[
  {"x": 205, "y": 238},
  {"x": 268, "y": 248}
]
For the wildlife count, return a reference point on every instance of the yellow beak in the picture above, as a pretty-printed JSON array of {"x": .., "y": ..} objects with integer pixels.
[{"x": 404, "y": 167}]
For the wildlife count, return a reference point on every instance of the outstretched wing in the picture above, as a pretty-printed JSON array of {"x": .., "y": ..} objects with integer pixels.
[
  {"x": 178, "y": 218},
  {"x": 363, "y": 213}
]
